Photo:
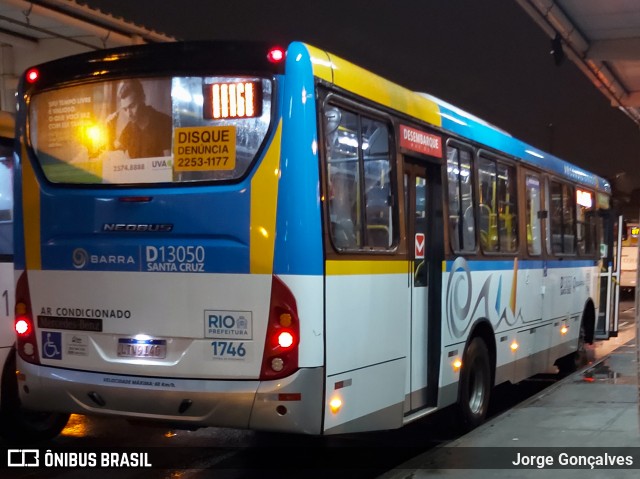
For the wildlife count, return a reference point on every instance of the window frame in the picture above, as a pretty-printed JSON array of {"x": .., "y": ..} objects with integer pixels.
[
  {"x": 535, "y": 176},
  {"x": 459, "y": 145},
  {"x": 512, "y": 168},
  {"x": 361, "y": 111},
  {"x": 571, "y": 196},
  {"x": 588, "y": 238}
]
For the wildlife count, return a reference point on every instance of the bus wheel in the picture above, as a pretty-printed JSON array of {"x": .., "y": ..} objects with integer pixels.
[
  {"x": 17, "y": 424},
  {"x": 573, "y": 361},
  {"x": 474, "y": 389}
]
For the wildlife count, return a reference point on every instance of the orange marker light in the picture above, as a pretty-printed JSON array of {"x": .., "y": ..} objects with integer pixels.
[
  {"x": 335, "y": 405},
  {"x": 457, "y": 364}
]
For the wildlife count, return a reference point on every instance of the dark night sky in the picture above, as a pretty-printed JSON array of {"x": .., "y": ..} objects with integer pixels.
[{"x": 485, "y": 56}]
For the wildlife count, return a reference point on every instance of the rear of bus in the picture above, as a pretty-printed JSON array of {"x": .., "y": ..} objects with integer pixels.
[{"x": 169, "y": 258}]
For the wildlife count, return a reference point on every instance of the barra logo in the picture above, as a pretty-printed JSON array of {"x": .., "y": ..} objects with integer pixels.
[
  {"x": 23, "y": 458},
  {"x": 80, "y": 258}
]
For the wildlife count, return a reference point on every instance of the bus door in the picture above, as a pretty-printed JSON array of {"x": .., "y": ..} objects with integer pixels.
[
  {"x": 610, "y": 251},
  {"x": 425, "y": 245},
  {"x": 534, "y": 296}
]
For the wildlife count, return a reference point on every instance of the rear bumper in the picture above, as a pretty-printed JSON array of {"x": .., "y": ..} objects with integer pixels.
[{"x": 187, "y": 402}]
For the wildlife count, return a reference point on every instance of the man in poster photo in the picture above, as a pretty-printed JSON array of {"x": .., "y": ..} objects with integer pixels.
[{"x": 138, "y": 128}]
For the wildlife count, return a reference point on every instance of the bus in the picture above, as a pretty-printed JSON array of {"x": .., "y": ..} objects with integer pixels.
[
  {"x": 629, "y": 258},
  {"x": 238, "y": 235},
  {"x": 15, "y": 423}
]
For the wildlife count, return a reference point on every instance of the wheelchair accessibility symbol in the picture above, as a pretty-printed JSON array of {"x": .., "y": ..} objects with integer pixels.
[{"x": 51, "y": 345}]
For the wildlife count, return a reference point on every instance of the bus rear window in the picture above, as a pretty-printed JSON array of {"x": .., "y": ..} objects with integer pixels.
[{"x": 150, "y": 130}]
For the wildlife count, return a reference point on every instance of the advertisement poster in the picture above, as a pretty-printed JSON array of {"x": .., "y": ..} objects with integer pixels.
[{"x": 107, "y": 132}]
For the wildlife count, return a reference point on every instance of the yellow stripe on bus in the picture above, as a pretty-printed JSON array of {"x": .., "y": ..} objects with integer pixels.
[
  {"x": 349, "y": 267},
  {"x": 264, "y": 194},
  {"x": 373, "y": 87},
  {"x": 31, "y": 216},
  {"x": 321, "y": 63}
]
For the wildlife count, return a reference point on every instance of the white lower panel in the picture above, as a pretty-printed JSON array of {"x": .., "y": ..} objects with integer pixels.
[{"x": 372, "y": 398}]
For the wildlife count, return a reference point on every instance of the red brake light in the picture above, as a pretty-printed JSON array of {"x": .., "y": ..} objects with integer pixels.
[
  {"x": 26, "y": 343},
  {"x": 285, "y": 339},
  {"x": 23, "y": 327},
  {"x": 32, "y": 75},
  {"x": 276, "y": 55},
  {"x": 280, "y": 357}
]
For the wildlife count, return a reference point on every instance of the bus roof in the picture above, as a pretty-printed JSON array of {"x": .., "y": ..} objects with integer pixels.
[{"x": 444, "y": 115}]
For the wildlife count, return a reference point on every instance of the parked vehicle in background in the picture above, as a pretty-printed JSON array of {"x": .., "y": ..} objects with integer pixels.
[
  {"x": 629, "y": 259},
  {"x": 15, "y": 423}
]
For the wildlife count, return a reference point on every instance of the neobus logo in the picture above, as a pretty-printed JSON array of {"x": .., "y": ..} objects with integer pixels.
[{"x": 138, "y": 227}]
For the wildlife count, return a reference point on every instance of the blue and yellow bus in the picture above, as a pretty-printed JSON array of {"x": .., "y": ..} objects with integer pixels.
[{"x": 228, "y": 234}]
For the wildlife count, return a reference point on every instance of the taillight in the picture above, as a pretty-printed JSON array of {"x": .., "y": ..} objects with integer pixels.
[
  {"x": 285, "y": 339},
  {"x": 32, "y": 75},
  {"x": 26, "y": 343},
  {"x": 280, "y": 356},
  {"x": 276, "y": 54},
  {"x": 23, "y": 327}
]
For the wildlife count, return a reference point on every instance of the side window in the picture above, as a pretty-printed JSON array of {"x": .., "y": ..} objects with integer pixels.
[
  {"x": 533, "y": 206},
  {"x": 586, "y": 222},
  {"x": 562, "y": 218},
  {"x": 6, "y": 197},
  {"x": 359, "y": 181},
  {"x": 461, "y": 212},
  {"x": 497, "y": 209}
]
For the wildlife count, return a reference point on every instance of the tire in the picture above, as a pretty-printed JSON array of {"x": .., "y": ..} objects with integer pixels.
[
  {"x": 474, "y": 388},
  {"x": 572, "y": 362},
  {"x": 19, "y": 425}
]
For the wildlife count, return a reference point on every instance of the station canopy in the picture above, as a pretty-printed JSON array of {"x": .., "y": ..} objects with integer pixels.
[{"x": 602, "y": 37}]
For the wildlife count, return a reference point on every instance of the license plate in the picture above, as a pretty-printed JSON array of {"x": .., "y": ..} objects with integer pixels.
[{"x": 142, "y": 348}]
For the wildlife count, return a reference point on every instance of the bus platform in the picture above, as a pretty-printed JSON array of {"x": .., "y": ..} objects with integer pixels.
[{"x": 592, "y": 412}]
